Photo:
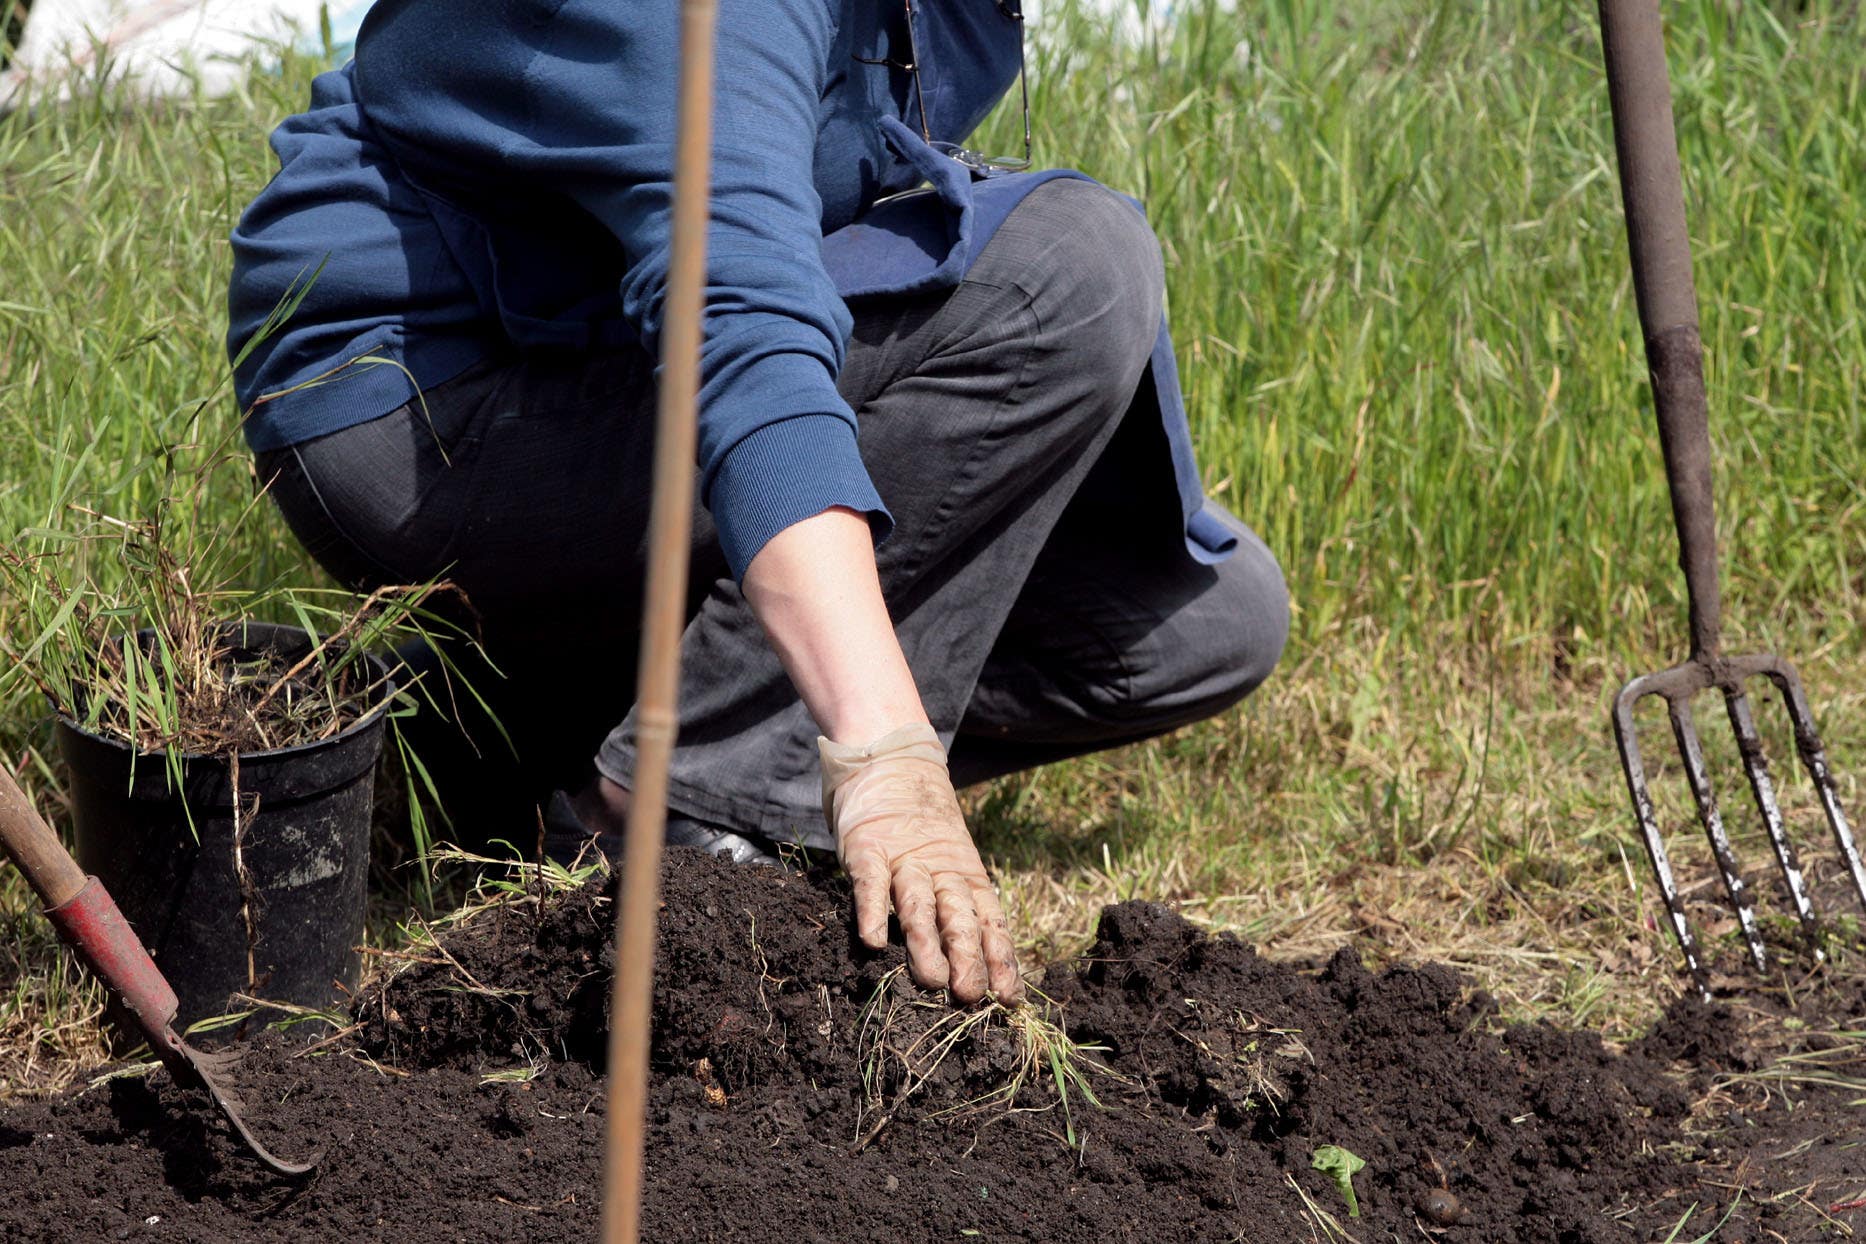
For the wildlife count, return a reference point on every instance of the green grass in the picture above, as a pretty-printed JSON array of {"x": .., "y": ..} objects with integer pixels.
[
  {"x": 1399, "y": 286},
  {"x": 1399, "y": 282}
]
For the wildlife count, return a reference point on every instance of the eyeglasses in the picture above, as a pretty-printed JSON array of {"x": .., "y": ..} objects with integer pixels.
[{"x": 981, "y": 164}]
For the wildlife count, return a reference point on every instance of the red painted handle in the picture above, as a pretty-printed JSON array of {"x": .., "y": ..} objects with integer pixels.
[{"x": 91, "y": 925}]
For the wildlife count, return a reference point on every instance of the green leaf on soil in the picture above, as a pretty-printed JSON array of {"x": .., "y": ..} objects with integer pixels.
[{"x": 1340, "y": 1165}]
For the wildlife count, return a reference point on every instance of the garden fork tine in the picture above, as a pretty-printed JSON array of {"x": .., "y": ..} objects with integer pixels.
[{"x": 1632, "y": 39}]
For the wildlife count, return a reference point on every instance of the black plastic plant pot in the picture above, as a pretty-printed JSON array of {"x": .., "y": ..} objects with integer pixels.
[{"x": 169, "y": 856}]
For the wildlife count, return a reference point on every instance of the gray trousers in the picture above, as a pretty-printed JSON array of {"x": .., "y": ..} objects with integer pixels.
[{"x": 1036, "y": 573}]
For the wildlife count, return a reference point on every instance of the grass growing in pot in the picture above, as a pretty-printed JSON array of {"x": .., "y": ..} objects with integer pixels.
[
  {"x": 130, "y": 627},
  {"x": 152, "y": 639}
]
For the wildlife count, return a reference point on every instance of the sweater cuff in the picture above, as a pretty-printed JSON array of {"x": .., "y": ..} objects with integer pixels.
[{"x": 784, "y": 473}]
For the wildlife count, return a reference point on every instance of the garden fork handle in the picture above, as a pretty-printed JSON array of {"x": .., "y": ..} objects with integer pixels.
[
  {"x": 51, "y": 872},
  {"x": 1652, "y": 187},
  {"x": 87, "y": 920}
]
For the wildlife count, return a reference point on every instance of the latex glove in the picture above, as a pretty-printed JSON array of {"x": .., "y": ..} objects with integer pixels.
[{"x": 899, "y": 833}]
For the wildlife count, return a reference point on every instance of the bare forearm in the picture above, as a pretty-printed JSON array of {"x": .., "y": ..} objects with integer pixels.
[
  {"x": 815, "y": 591},
  {"x": 898, "y": 826}
]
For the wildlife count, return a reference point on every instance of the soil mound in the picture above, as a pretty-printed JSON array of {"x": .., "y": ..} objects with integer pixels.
[{"x": 803, "y": 1089}]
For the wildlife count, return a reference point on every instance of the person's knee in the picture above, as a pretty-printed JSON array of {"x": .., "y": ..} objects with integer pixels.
[
  {"x": 1256, "y": 599},
  {"x": 1232, "y": 640},
  {"x": 1104, "y": 252},
  {"x": 1091, "y": 266}
]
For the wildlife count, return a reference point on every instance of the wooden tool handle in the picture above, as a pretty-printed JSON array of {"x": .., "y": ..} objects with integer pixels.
[
  {"x": 1633, "y": 40},
  {"x": 51, "y": 872}
]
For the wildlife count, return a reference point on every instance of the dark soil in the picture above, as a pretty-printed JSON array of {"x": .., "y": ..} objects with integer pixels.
[{"x": 794, "y": 1097}]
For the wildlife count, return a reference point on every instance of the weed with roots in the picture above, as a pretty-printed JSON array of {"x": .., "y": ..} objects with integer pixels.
[{"x": 907, "y": 1036}]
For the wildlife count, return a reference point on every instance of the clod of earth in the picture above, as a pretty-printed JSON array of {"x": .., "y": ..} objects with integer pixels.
[
  {"x": 1441, "y": 1208},
  {"x": 800, "y": 1081}
]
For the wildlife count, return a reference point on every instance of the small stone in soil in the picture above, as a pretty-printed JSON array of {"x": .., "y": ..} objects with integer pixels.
[{"x": 1441, "y": 1207}]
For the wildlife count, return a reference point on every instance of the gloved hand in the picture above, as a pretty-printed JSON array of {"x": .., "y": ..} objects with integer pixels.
[{"x": 899, "y": 831}]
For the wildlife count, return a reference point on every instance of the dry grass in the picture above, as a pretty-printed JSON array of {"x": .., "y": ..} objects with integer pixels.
[
  {"x": 50, "y": 1010},
  {"x": 1473, "y": 817},
  {"x": 49, "y": 1034}
]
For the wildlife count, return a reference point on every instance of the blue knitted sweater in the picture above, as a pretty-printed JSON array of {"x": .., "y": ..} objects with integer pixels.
[{"x": 491, "y": 178}]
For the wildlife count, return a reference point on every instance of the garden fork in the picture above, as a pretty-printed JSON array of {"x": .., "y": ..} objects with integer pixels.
[
  {"x": 88, "y": 921},
  {"x": 1633, "y": 40}
]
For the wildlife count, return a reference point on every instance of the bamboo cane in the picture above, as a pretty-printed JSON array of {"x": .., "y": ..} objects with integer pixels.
[{"x": 669, "y": 531}]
